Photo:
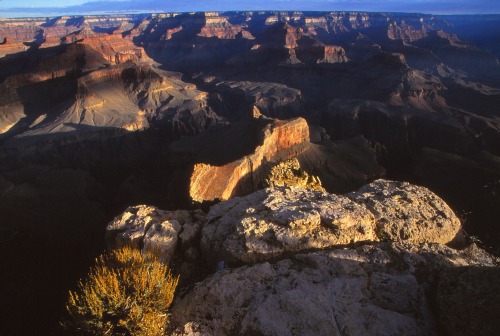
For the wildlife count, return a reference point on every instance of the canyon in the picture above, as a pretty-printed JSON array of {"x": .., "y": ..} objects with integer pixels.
[{"x": 183, "y": 110}]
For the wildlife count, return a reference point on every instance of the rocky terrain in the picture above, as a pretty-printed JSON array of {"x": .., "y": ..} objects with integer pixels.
[
  {"x": 182, "y": 110},
  {"x": 293, "y": 261},
  {"x": 280, "y": 140}
]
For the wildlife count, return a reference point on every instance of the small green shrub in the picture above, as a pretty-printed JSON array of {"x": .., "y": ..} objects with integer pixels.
[{"x": 125, "y": 293}]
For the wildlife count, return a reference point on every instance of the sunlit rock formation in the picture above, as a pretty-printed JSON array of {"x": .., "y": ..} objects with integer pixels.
[
  {"x": 280, "y": 140},
  {"x": 291, "y": 259}
]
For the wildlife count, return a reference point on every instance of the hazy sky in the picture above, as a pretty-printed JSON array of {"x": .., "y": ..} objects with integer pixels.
[{"x": 82, "y": 6}]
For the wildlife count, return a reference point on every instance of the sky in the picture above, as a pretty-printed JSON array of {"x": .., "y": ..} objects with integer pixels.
[{"x": 60, "y": 7}]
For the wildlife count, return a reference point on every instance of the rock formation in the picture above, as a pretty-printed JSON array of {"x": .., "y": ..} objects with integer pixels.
[
  {"x": 288, "y": 261},
  {"x": 280, "y": 220},
  {"x": 280, "y": 140},
  {"x": 216, "y": 25},
  {"x": 114, "y": 48},
  {"x": 272, "y": 222},
  {"x": 126, "y": 96},
  {"x": 403, "y": 212},
  {"x": 379, "y": 289},
  {"x": 154, "y": 230}
]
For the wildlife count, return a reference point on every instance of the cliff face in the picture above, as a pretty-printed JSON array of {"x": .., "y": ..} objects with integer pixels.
[
  {"x": 9, "y": 46},
  {"x": 124, "y": 97},
  {"x": 115, "y": 48},
  {"x": 218, "y": 26},
  {"x": 280, "y": 140}
]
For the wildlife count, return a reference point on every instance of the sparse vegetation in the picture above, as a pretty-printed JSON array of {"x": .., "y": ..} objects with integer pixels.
[
  {"x": 125, "y": 293},
  {"x": 289, "y": 173}
]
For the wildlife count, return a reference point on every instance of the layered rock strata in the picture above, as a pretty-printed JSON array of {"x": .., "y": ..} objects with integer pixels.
[{"x": 280, "y": 140}]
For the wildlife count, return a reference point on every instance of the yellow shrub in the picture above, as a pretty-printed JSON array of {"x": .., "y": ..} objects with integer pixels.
[{"x": 125, "y": 293}]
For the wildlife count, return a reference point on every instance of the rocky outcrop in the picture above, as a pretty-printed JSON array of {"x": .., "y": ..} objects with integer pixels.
[
  {"x": 280, "y": 140},
  {"x": 154, "y": 230},
  {"x": 334, "y": 54},
  {"x": 272, "y": 222},
  {"x": 146, "y": 227},
  {"x": 407, "y": 212},
  {"x": 308, "y": 262},
  {"x": 127, "y": 97},
  {"x": 275, "y": 221},
  {"x": 379, "y": 289},
  {"x": 116, "y": 49},
  {"x": 219, "y": 26}
]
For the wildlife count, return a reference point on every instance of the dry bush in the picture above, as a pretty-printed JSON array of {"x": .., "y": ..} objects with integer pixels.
[
  {"x": 125, "y": 293},
  {"x": 289, "y": 173}
]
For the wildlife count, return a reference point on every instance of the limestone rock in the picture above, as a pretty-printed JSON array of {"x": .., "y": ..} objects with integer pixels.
[
  {"x": 379, "y": 289},
  {"x": 408, "y": 212},
  {"x": 154, "y": 230},
  {"x": 272, "y": 222},
  {"x": 162, "y": 239}
]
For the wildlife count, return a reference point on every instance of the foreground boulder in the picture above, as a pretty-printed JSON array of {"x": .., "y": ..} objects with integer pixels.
[
  {"x": 404, "y": 211},
  {"x": 154, "y": 230},
  {"x": 294, "y": 261},
  {"x": 379, "y": 289},
  {"x": 271, "y": 222}
]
